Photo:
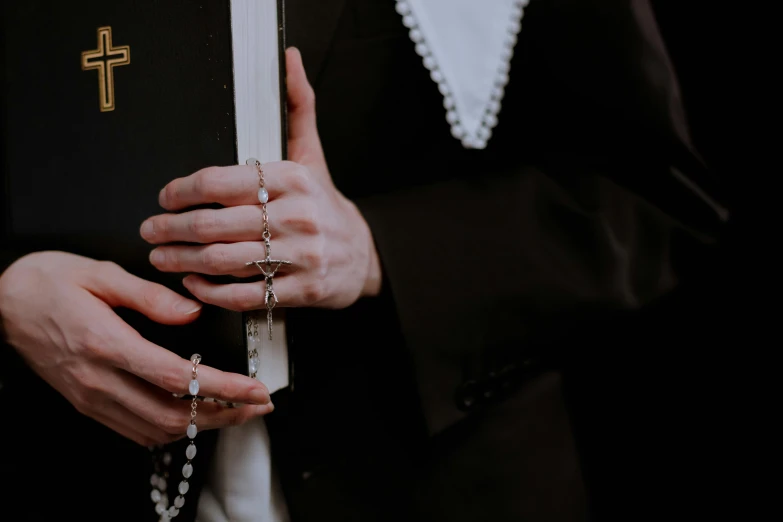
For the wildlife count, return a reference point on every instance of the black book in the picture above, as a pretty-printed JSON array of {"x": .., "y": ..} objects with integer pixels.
[{"x": 106, "y": 102}]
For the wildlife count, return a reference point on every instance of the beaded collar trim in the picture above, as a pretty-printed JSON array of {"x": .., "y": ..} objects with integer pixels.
[{"x": 468, "y": 53}]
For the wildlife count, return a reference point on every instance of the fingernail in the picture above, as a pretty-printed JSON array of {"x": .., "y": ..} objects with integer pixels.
[
  {"x": 259, "y": 396},
  {"x": 162, "y": 197},
  {"x": 147, "y": 230},
  {"x": 156, "y": 257},
  {"x": 186, "y": 307}
]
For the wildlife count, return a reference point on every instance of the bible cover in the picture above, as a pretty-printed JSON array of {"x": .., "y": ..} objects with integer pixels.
[{"x": 105, "y": 103}]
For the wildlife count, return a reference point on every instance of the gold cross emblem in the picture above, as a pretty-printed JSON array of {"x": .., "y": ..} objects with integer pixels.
[{"x": 105, "y": 58}]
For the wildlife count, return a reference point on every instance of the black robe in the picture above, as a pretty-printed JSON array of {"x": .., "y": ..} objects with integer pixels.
[{"x": 442, "y": 398}]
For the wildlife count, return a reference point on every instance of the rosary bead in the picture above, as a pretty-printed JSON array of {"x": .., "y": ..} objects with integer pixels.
[
  {"x": 155, "y": 496},
  {"x": 192, "y": 430},
  {"x": 187, "y": 470},
  {"x": 253, "y": 364},
  {"x": 263, "y": 195},
  {"x": 160, "y": 508},
  {"x": 179, "y": 501},
  {"x": 173, "y": 512},
  {"x": 183, "y": 487},
  {"x": 190, "y": 452},
  {"x": 167, "y": 458},
  {"x": 193, "y": 387},
  {"x": 154, "y": 480},
  {"x": 163, "y": 485}
]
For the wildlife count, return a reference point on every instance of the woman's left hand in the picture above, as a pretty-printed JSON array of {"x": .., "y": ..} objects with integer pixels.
[{"x": 311, "y": 223}]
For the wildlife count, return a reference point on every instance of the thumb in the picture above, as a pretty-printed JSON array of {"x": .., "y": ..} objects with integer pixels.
[
  {"x": 304, "y": 145},
  {"x": 118, "y": 288}
]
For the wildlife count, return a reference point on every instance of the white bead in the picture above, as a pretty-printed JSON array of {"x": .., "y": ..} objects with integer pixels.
[
  {"x": 183, "y": 488},
  {"x": 430, "y": 63},
  {"x": 511, "y": 40},
  {"x": 444, "y": 89},
  {"x": 173, "y": 512},
  {"x": 403, "y": 8},
  {"x": 493, "y": 106},
  {"x": 167, "y": 458},
  {"x": 163, "y": 485},
  {"x": 479, "y": 144},
  {"x": 437, "y": 76},
  {"x": 192, "y": 430},
  {"x": 490, "y": 120},
  {"x": 501, "y": 80},
  {"x": 187, "y": 470},
  {"x": 514, "y": 27},
  {"x": 483, "y": 133},
  {"x": 165, "y": 501},
  {"x": 160, "y": 508},
  {"x": 154, "y": 480},
  {"x": 468, "y": 142},
  {"x": 422, "y": 49},
  {"x": 524, "y": 3},
  {"x": 452, "y": 117},
  {"x": 408, "y": 21},
  {"x": 179, "y": 501},
  {"x": 448, "y": 102},
  {"x": 253, "y": 364},
  {"x": 263, "y": 196},
  {"x": 193, "y": 387},
  {"x": 458, "y": 131},
  {"x": 190, "y": 452},
  {"x": 506, "y": 53},
  {"x": 155, "y": 496},
  {"x": 416, "y": 35}
]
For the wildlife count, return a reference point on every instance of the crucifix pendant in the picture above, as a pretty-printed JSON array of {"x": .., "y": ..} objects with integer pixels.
[{"x": 270, "y": 299}]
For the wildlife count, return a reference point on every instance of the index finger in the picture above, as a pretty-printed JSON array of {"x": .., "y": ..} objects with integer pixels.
[
  {"x": 229, "y": 186},
  {"x": 171, "y": 372}
]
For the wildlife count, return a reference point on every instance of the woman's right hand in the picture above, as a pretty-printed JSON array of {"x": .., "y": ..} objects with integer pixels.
[{"x": 56, "y": 311}]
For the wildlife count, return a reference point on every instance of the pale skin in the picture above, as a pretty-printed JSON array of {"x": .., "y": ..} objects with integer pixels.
[
  {"x": 57, "y": 309},
  {"x": 312, "y": 224}
]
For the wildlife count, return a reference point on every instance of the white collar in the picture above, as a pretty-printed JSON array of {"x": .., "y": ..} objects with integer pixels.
[{"x": 467, "y": 46}]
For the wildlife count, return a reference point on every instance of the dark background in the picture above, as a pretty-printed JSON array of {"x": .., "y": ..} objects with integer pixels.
[{"x": 681, "y": 431}]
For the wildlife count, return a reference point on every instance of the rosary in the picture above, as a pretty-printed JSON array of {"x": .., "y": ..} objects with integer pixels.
[
  {"x": 269, "y": 268},
  {"x": 159, "y": 479}
]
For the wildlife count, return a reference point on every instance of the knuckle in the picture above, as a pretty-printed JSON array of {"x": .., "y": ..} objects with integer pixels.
[
  {"x": 304, "y": 222},
  {"x": 172, "y": 422},
  {"x": 203, "y": 224},
  {"x": 174, "y": 380},
  {"x": 215, "y": 260},
  {"x": 315, "y": 259},
  {"x": 153, "y": 295},
  {"x": 244, "y": 298},
  {"x": 299, "y": 178},
  {"x": 313, "y": 291},
  {"x": 94, "y": 341},
  {"x": 108, "y": 269}
]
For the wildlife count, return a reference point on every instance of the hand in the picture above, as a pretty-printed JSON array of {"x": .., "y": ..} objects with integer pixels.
[
  {"x": 56, "y": 309},
  {"x": 311, "y": 222}
]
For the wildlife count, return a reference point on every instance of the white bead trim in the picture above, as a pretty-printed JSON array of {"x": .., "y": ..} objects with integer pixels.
[{"x": 490, "y": 120}]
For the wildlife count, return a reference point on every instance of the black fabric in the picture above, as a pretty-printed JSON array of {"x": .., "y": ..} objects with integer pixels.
[
  {"x": 507, "y": 271},
  {"x": 574, "y": 218}
]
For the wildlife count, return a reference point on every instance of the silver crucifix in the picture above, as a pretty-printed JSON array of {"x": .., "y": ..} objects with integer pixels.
[{"x": 266, "y": 267}]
